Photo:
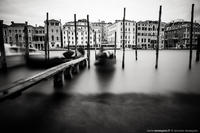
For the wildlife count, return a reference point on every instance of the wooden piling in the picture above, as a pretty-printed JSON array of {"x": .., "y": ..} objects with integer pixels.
[
  {"x": 58, "y": 80},
  {"x": 68, "y": 73},
  {"x": 198, "y": 49},
  {"x": 46, "y": 48},
  {"x": 75, "y": 30},
  {"x": 136, "y": 32},
  {"x": 61, "y": 35},
  {"x": 115, "y": 44},
  {"x": 158, "y": 37},
  {"x": 95, "y": 43},
  {"x": 123, "y": 58},
  {"x": 88, "y": 42},
  {"x": 2, "y": 49},
  {"x": 76, "y": 68},
  {"x": 67, "y": 40},
  {"x": 191, "y": 36},
  {"x": 26, "y": 40}
]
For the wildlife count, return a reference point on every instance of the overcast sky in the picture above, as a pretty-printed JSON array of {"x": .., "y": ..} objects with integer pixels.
[{"x": 34, "y": 11}]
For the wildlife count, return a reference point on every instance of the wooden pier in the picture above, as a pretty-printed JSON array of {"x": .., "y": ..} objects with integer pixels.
[{"x": 67, "y": 69}]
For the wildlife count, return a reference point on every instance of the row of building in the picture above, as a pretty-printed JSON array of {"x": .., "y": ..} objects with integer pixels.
[{"x": 172, "y": 35}]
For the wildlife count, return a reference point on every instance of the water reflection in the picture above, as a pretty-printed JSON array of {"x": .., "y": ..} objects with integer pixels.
[{"x": 104, "y": 76}]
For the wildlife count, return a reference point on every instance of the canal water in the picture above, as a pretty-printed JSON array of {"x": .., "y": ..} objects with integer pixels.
[
  {"x": 138, "y": 76},
  {"x": 134, "y": 100}
]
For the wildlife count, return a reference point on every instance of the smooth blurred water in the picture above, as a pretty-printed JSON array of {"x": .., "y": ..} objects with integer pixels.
[{"x": 138, "y": 76}]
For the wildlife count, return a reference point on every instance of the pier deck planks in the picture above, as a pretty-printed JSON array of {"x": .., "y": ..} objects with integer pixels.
[{"x": 18, "y": 87}]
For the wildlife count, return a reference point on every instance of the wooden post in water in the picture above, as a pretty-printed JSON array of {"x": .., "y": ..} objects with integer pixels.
[
  {"x": 75, "y": 30},
  {"x": 61, "y": 35},
  {"x": 67, "y": 40},
  {"x": 95, "y": 43},
  {"x": 26, "y": 40},
  {"x": 58, "y": 80},
  {"x": 123, "y": 39},
  {"x": 48, "y": 53},
  {"x": 136, "y": 42},
  {"x": 88, "y": 41},
  {"x": 198, "y": 49},
  {"x": 158, "y": 37},
  {"x": 191, "y": 35},
  {"x": 2, "y": 49},
  {"x": 115, "y": 44},
  {"x": 46, "y": 48}
]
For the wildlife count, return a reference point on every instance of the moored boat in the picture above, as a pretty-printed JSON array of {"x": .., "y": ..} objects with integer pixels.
[
  {"x": 15, "y": 55},
  {"x": 105, "y": 58}
]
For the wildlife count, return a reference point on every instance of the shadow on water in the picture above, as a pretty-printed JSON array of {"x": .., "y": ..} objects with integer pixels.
[
  {"x": 37, "y": 114},
  {"x": 133, "y": 112}
]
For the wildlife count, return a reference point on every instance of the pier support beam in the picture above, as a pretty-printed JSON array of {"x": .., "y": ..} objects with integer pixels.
[
  {"x": 58, "y": 80},
  {"x": 82, "y": 64},
  {"x": 76, "y": 68},
  {"x": 68, "y": 73},
  {"x": 2, "y": 49}
]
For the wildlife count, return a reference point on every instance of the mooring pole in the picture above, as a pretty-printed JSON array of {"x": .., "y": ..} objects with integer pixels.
[
  {"x": 88, "y": 42},
  {"x": 68, "y": 40},
  {"x": 75, "y": 30},
  {"x": 198, "y": 49},
  {"x": 26, "y": 40},
  {"x": 136, "y": 42},
  {"x": 95, "y": 43},
  {"x": 46, "y": 48},
  {"x": 115, "y": 44},
  {"x": 158, "y": 37},
  {"x": 61, "y": 34},
  {"x": 48, "y": 53},
  {"x": 191, "y": 34},
  {"x": 2, "y": 49},
  {"x": 123, "y": 39}
]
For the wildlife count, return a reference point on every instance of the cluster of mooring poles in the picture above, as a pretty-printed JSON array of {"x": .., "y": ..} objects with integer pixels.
[
  {"x": 88, "y": 38},
  {"x": 47, "y": 53},
  {"x": 158, "y": 38}
]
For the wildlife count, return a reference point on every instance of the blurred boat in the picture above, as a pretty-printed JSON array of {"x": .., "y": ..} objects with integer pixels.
[
  {"x": 15, "y": 55},
  {"x": 105, "y": 58}
]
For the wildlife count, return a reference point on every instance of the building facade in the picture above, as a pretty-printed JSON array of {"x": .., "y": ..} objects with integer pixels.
[
  {"x": 177, "y": 34},
  {"x": 14, "y": 34},
  {"x": 101, "y": 29},
  {"x": 54, "y": 33},
  {"x": 39, "y": 37},
  {"x": 82, "y": 34},
  {"x": 130, "y": 28},
  {"x": 147, "y": 34}
]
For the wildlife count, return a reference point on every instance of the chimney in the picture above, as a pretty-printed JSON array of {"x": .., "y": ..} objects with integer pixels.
[{"x": 12, "y": 22}]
